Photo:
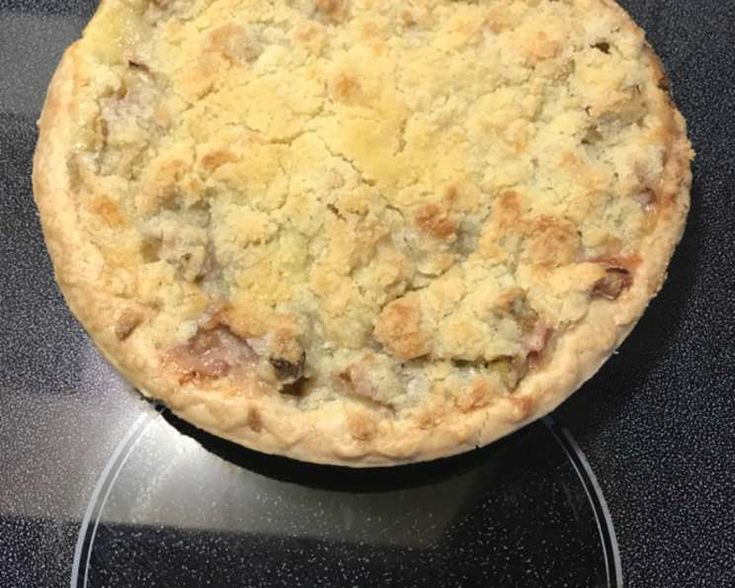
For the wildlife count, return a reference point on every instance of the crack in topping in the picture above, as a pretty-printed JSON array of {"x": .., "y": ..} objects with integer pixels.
[
  {"x": 139, "y": 65},
  {"x": 288, "y": 371},
  {"x": 537, "y": 344},
  {"x": 611, "y": 286}
]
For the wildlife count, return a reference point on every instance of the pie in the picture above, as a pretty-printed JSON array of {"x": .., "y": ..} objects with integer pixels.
[{"x": 360, "y": 232}]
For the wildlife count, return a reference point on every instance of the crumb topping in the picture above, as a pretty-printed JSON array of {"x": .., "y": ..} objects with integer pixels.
[{"x": 375, "y": 199}]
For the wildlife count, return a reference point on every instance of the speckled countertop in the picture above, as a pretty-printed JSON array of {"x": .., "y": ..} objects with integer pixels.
[{"x": 96, "y": 486}]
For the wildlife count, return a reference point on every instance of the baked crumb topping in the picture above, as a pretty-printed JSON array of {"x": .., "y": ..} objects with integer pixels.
[{"x": 383, "y": 200}]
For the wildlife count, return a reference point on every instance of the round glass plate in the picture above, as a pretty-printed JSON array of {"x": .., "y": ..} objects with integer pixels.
[{"x": 193, "y": 510}]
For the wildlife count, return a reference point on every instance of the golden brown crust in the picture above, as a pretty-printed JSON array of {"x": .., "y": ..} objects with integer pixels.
[{"x": 364, "y": 426}]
